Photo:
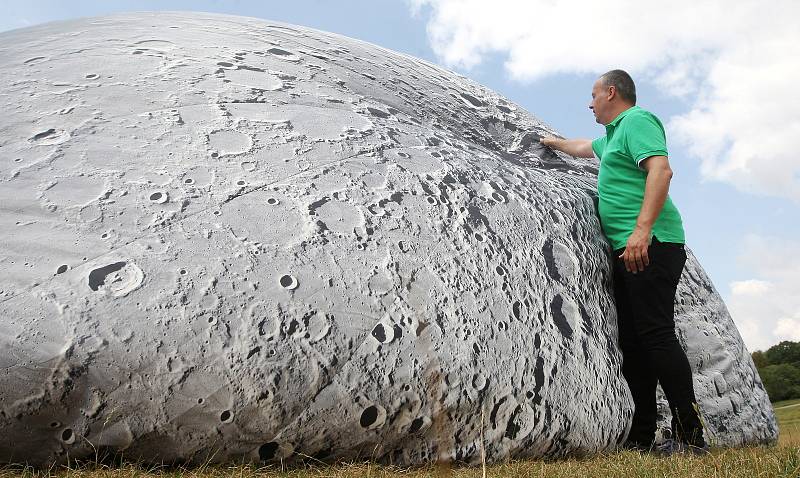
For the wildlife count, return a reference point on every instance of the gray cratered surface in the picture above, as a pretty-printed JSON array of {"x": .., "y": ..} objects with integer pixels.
[{"x": 225, "y": 238}]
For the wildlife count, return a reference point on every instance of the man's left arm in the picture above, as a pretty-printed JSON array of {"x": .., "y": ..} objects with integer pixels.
[{"x": 656, "y": 189}]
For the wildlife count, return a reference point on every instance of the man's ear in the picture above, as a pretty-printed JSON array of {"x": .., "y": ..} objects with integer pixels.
[{"x": 612, "y": 92}]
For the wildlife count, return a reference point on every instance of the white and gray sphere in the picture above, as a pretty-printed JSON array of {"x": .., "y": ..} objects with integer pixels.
[{"x": 226, "y": 239}]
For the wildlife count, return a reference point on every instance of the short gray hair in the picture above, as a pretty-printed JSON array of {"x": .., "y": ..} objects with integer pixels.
[{"x": 622, "y": 82}]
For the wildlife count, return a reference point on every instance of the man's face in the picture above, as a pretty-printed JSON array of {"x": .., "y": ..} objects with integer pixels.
[{"x": 601, "y": 103}]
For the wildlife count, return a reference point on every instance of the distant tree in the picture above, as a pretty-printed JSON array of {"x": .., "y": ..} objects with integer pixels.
[
  {"x": 784, "y": 352},
  {"x": 760, "y": 359},
  {"x": 782, "y": 381}
]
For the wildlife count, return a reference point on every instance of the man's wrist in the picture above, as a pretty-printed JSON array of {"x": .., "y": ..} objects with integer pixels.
[{"x": 644, "y": 227}]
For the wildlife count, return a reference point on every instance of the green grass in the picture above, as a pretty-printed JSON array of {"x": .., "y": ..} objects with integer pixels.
[
  {"x": 786, "y": 403},
  {"x": 781, "y": 460},
  {"x": 788, "y": 415}
]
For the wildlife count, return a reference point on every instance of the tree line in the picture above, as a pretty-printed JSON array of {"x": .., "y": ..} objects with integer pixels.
[{"x": 779, "y": 367}]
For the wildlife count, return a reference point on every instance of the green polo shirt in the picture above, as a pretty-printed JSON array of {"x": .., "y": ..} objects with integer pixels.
[{"x": 632, "y": 137}]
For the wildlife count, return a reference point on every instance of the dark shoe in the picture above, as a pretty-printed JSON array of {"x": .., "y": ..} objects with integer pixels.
[
  {"x": 671, "y": 447},
  {"x": 636, "y": 446}
]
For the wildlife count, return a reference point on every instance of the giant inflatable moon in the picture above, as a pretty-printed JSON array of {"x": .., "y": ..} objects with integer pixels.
[{"x": 226, "y": 239}]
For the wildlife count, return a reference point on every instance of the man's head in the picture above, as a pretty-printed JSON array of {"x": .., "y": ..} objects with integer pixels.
[{"x": 612, "y": 93}]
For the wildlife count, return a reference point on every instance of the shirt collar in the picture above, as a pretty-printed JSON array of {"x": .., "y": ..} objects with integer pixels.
[{"x": 613, "y": 124}]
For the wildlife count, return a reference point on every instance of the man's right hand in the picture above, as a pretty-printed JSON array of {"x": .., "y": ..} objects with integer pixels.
[
  {"x": 549, "y": 141},
  {"x": 579, "y": 148}
]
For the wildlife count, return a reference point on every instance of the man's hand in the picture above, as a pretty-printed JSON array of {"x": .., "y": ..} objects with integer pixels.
[
  {"x": 655, "y": 194},
  {"x": 578, "y": 148},
  {"x": 549, "y": 141},
  {"x": 635, "y": 253}
]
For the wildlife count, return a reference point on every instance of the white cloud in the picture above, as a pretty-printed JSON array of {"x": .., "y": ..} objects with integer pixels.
[
  {"x": 767, "y": 310},
  {"x": 789, "y": 329},
  {"x": 736, "y": 62},
  {"x": 750, "y": 288}
]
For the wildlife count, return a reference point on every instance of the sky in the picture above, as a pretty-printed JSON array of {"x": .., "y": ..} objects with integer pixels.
[{"x": 721, "y": 75}]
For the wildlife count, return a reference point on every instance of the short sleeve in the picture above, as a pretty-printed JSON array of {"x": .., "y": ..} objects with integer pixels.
[
  {"x": 645, "y": 137},
  {"x": 598, "y": 146}
]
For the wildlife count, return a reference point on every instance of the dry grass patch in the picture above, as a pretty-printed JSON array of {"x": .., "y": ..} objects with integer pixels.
[
  {"x": 779, "y": 461},
  {"x": 782, "y": 460}
]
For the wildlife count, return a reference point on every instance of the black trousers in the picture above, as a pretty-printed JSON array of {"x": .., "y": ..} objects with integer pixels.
[{"x": 651, "y": 352}]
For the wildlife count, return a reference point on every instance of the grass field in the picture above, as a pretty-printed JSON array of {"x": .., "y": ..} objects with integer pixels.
[
  {"x": 788, "y": 414},
  {"x": 782, "y": 460}
]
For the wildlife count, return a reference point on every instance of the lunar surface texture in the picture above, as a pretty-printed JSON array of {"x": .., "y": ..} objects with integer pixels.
[{"x": 226, "y": 239}]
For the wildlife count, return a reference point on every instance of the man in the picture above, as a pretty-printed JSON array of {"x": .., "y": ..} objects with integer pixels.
[{"x": 646, "y": 233}]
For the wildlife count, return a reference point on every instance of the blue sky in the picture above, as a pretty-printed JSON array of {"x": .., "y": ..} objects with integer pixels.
[{"x": 730, "y": 126}]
